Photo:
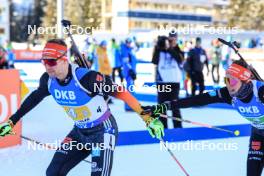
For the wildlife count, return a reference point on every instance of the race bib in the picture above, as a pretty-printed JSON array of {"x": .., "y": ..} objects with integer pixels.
[
  {"x": 257, "y": 122},
  {"x": 78, "y": 113}
]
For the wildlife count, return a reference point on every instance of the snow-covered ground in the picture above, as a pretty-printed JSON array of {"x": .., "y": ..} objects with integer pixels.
[
  {"x": 48, "y": 123},
  {"x": 139, "y": 160}
]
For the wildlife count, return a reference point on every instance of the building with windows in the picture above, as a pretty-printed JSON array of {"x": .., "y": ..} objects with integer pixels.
[{"x": 123, "y": 16}]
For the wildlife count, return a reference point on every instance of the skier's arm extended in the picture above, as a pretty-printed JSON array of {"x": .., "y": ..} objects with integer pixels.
[
  {"x": 30, "y": 102},
  {"x": 215, "y": 96},
  {"x": 93, "y": 81},
  {"x": 33, "y": 99}
]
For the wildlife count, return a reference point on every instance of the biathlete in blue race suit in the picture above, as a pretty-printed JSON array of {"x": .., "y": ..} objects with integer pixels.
[
  {"x": 246, "y": 95},
  {"x": 80, "y": 92}
]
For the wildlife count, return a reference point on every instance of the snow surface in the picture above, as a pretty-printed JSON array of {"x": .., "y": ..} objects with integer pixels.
[{"x": 48, "y": 123}]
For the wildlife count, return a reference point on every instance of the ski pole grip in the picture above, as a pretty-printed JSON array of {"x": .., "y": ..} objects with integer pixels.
[{"x": 66, "y": 23}]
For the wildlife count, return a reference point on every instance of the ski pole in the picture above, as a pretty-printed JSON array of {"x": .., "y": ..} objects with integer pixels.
[
  {"x": 234, "y": 46},
  {"x": 45, "y": 145},
  {"x": 81, "y": 62},
  {"x": 236, "y": 132},
  {"x": 174, "y": 157}
]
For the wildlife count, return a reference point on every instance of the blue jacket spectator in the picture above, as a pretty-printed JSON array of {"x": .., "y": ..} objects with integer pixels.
[
  {"x": 196, "y": 60},
  {"x": 129, "y": 60}
]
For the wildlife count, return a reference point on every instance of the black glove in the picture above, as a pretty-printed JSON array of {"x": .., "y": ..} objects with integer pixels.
[
  {"x": 155, "y": 110},
  {"x": 132, "y": 74}
]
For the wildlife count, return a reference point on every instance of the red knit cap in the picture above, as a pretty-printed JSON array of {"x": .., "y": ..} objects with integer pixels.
[
  {"x": 239, "y": 72},
  {"x": 54, "y": 51}
]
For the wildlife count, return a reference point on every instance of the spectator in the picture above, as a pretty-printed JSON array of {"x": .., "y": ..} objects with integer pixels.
[
  {"x": 11, "y": 58},
  {"x": 196, "y": 59},
  {"x": 178, "y": 54},
  {"x": 104, "y": 66},
  {"x": 3, "y": 60},
  {"x": 168, "y": 58},
  {"x": 216, "y": 56},
  {"x": 89, "y": 52},
  {"x": 187, "y": 80},
  {"x": 116, "y": 60},
  {"x": 174, "y": 47},
  {"x": 129, "y": 62}
]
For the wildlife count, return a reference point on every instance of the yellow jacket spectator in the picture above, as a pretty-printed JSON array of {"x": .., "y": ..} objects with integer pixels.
[{"x": 103, "y": 60}]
